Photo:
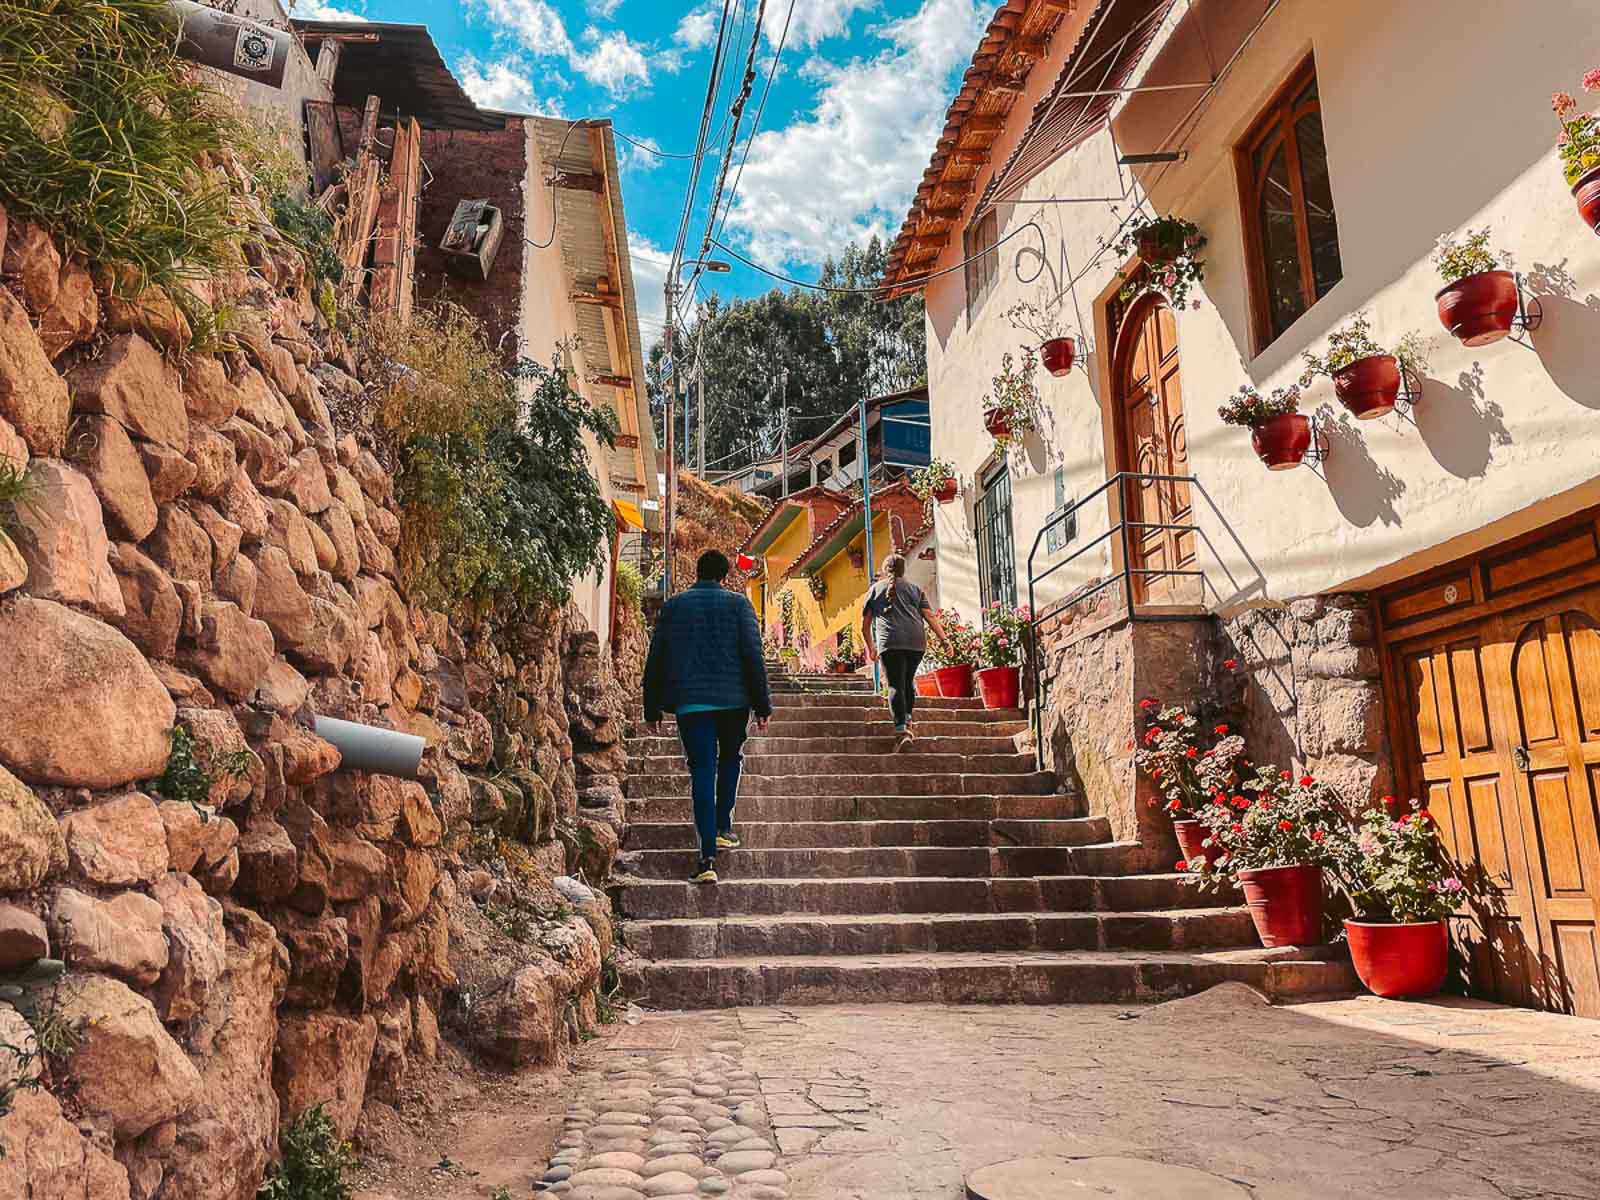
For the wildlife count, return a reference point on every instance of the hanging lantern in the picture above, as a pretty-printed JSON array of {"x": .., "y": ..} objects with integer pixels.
[{"x": 744, "y": 562}]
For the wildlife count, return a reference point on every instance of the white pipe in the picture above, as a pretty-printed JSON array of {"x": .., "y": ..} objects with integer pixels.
[{"x": 369, "y": 748}]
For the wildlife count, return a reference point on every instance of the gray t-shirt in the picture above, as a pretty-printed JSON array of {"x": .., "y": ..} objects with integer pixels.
[{"x": 897, "y": 624}]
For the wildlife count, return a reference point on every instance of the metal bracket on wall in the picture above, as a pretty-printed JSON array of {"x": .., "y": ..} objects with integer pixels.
[
  {"x": 1530, "y": 312},
  {"x": 1321, "y": 443},
  {"x": 1411, "y": 384}
]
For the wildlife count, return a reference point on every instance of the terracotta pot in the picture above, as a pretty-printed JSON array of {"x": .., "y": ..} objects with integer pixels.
[
  {"x": 839, "y": 669},
  {"x": 945, "y": 492},
  {"x": 1587, "y": 193},
  {"x": 1190, "y": 835},
  {"x": 955, "y": 683},
  {"x": 1396, "y": 961},
  {"x": 1282, "y": 441},
  {"x": 1001, "y": 686},
  {"x": 1154, "y": 252},
  {"x": 995, "y": 422},
  {"x": 1285, "y": 903},
  {"x": 1479, "y": 309},
  {"x": 1369, "y": 387},
  {"x": 1057, "y": 355},
  {"x": 927, "y": 685}
]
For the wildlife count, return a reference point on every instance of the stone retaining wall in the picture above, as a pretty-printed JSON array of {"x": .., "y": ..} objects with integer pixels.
[{"x": 202, "y": 547}]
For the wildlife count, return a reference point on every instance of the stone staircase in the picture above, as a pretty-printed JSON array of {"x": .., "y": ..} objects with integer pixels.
[{"x": 950, "y": 872}]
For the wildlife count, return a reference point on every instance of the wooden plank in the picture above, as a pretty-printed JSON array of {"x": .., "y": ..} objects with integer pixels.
[
  {"x": 616, "y": 381},
  {"x": 394, "y": 253},
  {"x": 325, "y": 142},
  {"x": 627, "y": 441},
  {"x": 313, "y": 36},
  {"x": 580, "y": 181},
  {"x": 987, "y": 123},
  {"x": 604, "y": 300},
  {"x": 328, "y": 61},
  {"x": 970, "y": 156},
  {"x": 1030, "y": 50}
]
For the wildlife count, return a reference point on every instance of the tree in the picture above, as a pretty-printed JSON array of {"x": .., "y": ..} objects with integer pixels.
[{"x": 837, "y": 347}]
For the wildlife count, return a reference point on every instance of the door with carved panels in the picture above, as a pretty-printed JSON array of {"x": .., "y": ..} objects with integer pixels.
[
  {"x": 1494, "y": 679},
  {"x": 1153, "y": 441}
]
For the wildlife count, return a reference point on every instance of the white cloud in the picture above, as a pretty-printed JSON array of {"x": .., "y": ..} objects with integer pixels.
[
  {"x": 534, "y": 23},
  {"x": 505, "y": 85},
  {"x": 650, "y": 264},
  {"x": 612, "y": 61},
  {"x": 697, "y": 29},
  {"x": 847, "y": 170},
  {"x": 320, "y": 10},
  {"x": 813, "y": 20},
  {"x": 604, "y": 8},
  {"x": 640, "y": 158}
]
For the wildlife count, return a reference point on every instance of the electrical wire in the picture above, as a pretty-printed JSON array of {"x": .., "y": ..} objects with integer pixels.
[
  {"x": 551, "y": 184},
  {"x": 713, "y": 87},
  {"x": 647, "y": 148}
]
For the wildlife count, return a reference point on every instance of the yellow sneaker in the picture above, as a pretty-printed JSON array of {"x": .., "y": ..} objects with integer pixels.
[
  {"x": 728, "y": 841},
  {"x": 706, "y": 872}
]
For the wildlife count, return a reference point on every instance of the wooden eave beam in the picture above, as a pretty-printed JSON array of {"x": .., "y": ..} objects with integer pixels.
[
  {"x": 932, "y": 241},
  {"x": 579, "y": 181},
  {"x": 616, "y": 381},
  {"x": 602, "y": 299},
  {"x": 1030, "y": 50},
  {"x": 340, "y": 37},
  {"x": 971, "y": 157},
  {"x": 984, "y": 123}
]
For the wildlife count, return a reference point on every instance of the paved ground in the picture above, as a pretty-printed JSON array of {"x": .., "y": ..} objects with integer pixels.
[{"x": 1356, "y": 1098}]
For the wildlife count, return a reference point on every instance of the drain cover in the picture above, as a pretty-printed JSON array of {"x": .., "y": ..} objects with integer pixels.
[{"x": 1122, "y": 1178}]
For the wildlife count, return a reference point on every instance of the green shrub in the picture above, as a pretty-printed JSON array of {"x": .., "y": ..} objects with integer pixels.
[
  {"x": 630, "y": 586},
  {"x": 101, "y": 130},
  {"x": 190, "y": 781},
  {"x": 310, "y": 230},
  {"x": 313, "y": 1164}
]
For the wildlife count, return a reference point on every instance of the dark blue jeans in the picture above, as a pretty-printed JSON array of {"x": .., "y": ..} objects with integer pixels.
[{"x": 713, "y": 742}]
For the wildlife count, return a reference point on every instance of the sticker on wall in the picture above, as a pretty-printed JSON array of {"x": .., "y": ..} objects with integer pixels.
[{"x": 252, "y": 51}]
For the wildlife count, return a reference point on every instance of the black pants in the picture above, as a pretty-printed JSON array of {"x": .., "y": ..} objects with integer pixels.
[{"x": 900, "y": 670}]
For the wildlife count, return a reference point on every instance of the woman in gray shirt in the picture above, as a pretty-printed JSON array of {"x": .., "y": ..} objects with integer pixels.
[{"x": 892, "y": 620}]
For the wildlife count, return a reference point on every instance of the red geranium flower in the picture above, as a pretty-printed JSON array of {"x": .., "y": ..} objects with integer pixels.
[
  {"x": 1317, "y": 835},
  {"x": 1219, "y": 801},
  {"x": 1263, "y": 803},
  {"x": 1147, "y": 704},
  {"x": 1181, "y": 865},
  {"x": 1173, "y": 806},
  {"x": 1284, "y": 775},
  {"x": 1191, "y": 752},
  {"x": 1424, "y": 815},
  {"x": 1238, "y": 828},
  {"x": 1306, "y": 781},
  {"x": 1240, "y": 802},
  {"x": 1285, "y": 825},
  {"x": 1155, "y": 772},
  {"x": 1130, "y": 743},
  {"x": 1405, "y": 818},
  {"x": 1230, "y": 663},
  {"x": 1222, "y": 729}
]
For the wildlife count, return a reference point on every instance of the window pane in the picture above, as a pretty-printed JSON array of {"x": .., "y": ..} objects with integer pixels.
[
  {"x": 1280, "y": 250},
  {"x": 1320, "y": 221}
]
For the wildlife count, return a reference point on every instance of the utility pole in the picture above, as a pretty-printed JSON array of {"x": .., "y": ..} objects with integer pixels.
[
  {"x": 667, "y": 429},
  {"x": 866, "y": 508},
  {"x": 785, "y": 401},
  {"x": 700, "y": 419}
]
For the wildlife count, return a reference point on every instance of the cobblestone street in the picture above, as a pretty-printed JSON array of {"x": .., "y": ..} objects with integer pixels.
[{"x": 1219, "y": 1093}]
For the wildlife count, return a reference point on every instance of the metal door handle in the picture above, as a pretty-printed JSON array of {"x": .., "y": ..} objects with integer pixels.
[{"x": 1519, "y": 756}]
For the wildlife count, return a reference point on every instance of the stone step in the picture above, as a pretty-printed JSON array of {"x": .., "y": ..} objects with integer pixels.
[
  {"x": 844, "y": 701},
  {"x": 1065, "y": 977},
  {"x": 892, "y": 862},
  {"x": 895, "y": 933},
  {"x": 667, "y": 899},
  {"x": 809, "y": 806},
  {"x": 885, "y": 743},
  {"x": 773, "y": 835},
  {"x": 759, "y": 761},
  {"x": 909, "y": 782}
]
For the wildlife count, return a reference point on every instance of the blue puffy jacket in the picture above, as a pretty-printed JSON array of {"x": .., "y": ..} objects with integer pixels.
[{"x": 706, "y": 650}]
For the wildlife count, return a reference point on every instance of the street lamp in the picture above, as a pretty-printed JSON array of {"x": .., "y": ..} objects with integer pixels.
[{"x": 715, "y": 267}]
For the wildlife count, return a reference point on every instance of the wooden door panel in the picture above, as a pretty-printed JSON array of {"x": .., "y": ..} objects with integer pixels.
[
  {"x": 1423, "y": 693},
  {"x": 1471, "y": 700},
  {"x": 1530, "y": 682},
  {"x": 1577, "y": 963},
  {"x": 1583, "y": 652},
  {"x": 1491, "y": 841},
  {"x": 1555, "y": 836}
]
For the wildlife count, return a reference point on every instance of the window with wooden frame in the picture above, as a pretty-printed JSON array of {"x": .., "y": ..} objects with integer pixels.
[
  {"x": 982, "y": 259},
  {"x": 1291, "y": 233}
]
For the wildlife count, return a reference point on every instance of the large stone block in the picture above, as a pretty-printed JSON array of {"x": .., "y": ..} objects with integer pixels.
[
  {"x": 208, "y": 395},
  {"x": 132, "y": 383},
  {"x": 43, "y": 1155},
  {"x": 101, "y": 448},
  {"x": 119, "y": 843},
  {"x": 192, "y": 922},
  {"x": 62, "y": 536},
  {"x": 121, "y": 936},
  {"x": 152, "y": 611},
  {"x": 31, "y": 845},
  {"x": 32, "y": 260},
  {"x": 79, "y": 705},
  {"x": 73, "y": 315},
  {"x": 233, "y": 651},
  {"x": 33, "y": 398},
  {"x": 171, "y": 474},
  {"x": 324, "y": 1059}
]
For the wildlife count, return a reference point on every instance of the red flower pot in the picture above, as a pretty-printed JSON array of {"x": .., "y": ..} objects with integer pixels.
[
  {"x": 927, "y": 685},
  {"x": 955, "y": 683},
  {"x": 995, "y": 422},
  {"x": 1587, "y": 193},
  {"x": 1057, "y": 355},
  {"x": 1281, "y": 442},
  {"x": 1369, "y": 387},
  {"x": 1285, "y": 903},
  {"x": 945, "y": 492},
  {"x": 1479, "y": 309},
  {"x": 1190, "y": 835},
  {"x": 839, "y": 669},
  {"x": 1153, "y": 252},
  {"x": 1001, "y": 686},
  {"x": 1396, "y": 961}
]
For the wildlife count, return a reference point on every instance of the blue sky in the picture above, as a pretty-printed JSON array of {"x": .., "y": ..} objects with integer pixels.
[{"x": 858, "y": 100}]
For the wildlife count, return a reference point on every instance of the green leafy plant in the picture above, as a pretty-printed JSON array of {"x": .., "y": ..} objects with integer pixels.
[
  {"x": 310, "y": 230},
  {"x": 608, "y": 1002},
  {"x": 516, "y": 920},
  {"x": 314, "y": 1161},
  {"x": 925, "y": 481},
  {"x": 17, "y": 490},
  {"x": 1578, "y": 143},
  {"x": 1014, "y": 396},
  {"x": 961, "y": 647},
  {"x": 1169, "y": 247},
  {"x": 1471, "y": 254},
  {"x": 1004, "y": 634},
  {"x": 1273, "y": 820},
  {"x": 104, "y": 133},
  {"x": 1349, "y": 343},
  {"x": 1248, "y": 407},
  {"x": 845, "y": 656},
  {"x": 189, "y": 780},
  {"x": 630, "y": 586},
  {"x": 1394, "y": 870}
]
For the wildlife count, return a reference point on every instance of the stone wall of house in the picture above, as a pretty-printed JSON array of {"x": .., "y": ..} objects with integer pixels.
[
  {"x": 1300, "y": 681},
  {"x": 201, "y": 547}
]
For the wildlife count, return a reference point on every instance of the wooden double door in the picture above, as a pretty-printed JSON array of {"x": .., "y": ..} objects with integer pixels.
[{"x": 1494, "y": 671}]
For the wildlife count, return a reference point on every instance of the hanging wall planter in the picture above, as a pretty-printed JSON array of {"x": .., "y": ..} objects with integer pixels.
[
  {"x": 1587, "y": 193},
  {"x": 935, "y": 482},
  {"x": 1479, "y": 309},
  {"x": 1057, "y": 355},
  {"x": 994, "y": 420},
  {"x": 1578, "y": 147},
  {"x": 1369, "y": 387},
  {"x": 1370, "y": 379},
  {"x": 1282, "y": 442}
]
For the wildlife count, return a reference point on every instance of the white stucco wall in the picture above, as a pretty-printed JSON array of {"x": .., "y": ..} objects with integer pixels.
[{"x": 1434, "y": 124}]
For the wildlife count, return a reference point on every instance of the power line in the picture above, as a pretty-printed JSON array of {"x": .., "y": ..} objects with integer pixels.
[
  {"x": 647, "y": 148},
  {"x": 713, "y": 87},
  {"x": 772, "y": 73}
]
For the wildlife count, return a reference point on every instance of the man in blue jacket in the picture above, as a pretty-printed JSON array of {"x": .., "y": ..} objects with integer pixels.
[{"x": 706, "y": 665}]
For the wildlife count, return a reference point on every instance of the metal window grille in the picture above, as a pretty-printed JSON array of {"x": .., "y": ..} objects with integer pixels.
[{"x": 997, "y": 558}]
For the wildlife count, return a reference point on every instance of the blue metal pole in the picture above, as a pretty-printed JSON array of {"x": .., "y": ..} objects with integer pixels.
[{"x": 866, "y": 509}]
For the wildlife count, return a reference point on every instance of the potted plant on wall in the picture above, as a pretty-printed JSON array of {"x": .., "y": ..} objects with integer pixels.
[
  {"x": 1276, "y": 833},
  {"x": 1190, "y": 767},
  {"x": 1401, "y": 891},
  {"x": 1056, "y": 348},
  {"x": 1280, "y": 433},
  {"x": 844, "y": 658},
  {"x": 935, "y": 482},
  {"x": 1367, "y": 377},
  {"x": 954, "y": 661},
  {"x": 1168, "y": 248},
  {"x": 1578, "y": 144},
  {"x": 1012, "y": 407},
  {"x": 1478, "y": 303},
  {"x": 1000, "y": 646}
]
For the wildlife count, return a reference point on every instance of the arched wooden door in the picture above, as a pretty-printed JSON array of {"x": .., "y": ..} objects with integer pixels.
[{"x": 1152, "y": 440}]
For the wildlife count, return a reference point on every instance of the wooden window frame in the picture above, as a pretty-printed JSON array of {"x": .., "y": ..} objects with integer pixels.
[
  {"x": 982, "y": 263},
  {"x": 1276, "y": 119}
]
